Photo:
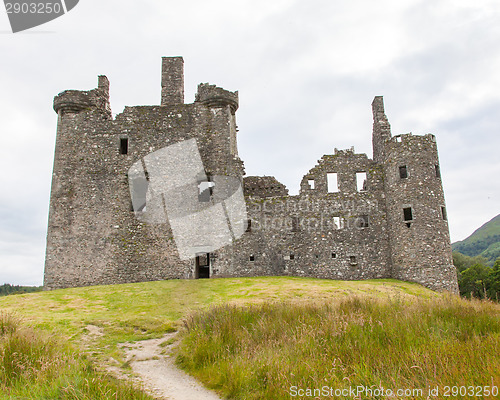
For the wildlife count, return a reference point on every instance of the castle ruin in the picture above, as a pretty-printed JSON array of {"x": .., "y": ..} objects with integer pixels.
[{"x": 354, "y": 218}]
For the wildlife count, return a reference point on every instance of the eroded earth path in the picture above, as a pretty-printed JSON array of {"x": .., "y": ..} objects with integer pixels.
[{"x": 152, "y": 361}]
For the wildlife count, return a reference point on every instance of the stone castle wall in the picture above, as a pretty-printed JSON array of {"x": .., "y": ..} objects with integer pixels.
[{"x": 348, "y": 221}]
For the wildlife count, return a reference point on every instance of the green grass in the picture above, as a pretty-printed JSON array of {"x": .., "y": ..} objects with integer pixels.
[
  {"x": 146, "y": 310},
  {"x": 35, "y": 365},
  {"x": 262, "y": 351},
  {"x": 138, "y": 311}
]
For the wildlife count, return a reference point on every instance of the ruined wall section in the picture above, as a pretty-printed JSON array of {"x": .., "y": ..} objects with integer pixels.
[
  {"x": 360, "y": 242},
  {"x": 381, "y": 129},
  {"x": 340, "y": 235},
  {"x": 263, "y": 186},
  {"x": 420, "y": 240},
  {"x": 148, "y": 250}
]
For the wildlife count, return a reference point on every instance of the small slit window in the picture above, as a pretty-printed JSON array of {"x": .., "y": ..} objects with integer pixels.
[
  {"x": 292, "y": 256},
  {"x": 310, "y": 182},
  {"x": 252, "y": 258},
  {"x": 334, "y": 255},
  {"x": 438, "y": 171},
  {"x": 123, "y": 145},
  {"x": 249, "y": 226},
  {"x": 403, "y": 172},
  {"x": 408, "y": 214},
  {"x": 444, "y": 214}
]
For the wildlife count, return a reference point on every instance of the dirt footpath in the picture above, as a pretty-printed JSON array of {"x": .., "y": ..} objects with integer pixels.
[{"x": 153, "y": 363}]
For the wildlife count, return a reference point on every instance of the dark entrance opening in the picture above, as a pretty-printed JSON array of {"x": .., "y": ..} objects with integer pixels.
[{"x": 202, "y": 266}]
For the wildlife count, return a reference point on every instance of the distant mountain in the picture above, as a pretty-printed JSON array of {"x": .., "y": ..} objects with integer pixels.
[{"x": 485, "y": 241}]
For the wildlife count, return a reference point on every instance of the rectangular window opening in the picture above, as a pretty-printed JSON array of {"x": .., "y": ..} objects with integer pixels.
[
  {"x": 438, "y": 171},
  {"x": 408, "y": 214},
  {"x": 123, "y": 145},
  {"x": 333, "y": 186},
  {"x": 292, "y": 256},
  {"x": 334, "y": 255},
  {"x": 352, "y": 260},
  {"x": 252, "y": 258},
  {"x": 444, "y": 214},
  {"x": 403, "y": 172},
  {"x": 310, "y": 182},
  {"x": 361, "y": 181}
]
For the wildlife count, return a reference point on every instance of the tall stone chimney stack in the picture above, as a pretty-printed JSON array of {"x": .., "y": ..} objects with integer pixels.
[{"x": 172, "y": 81}]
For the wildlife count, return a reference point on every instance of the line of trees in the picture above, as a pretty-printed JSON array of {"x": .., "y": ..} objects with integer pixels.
[
  {"x": 7, "y": 289},
  {"x": 475, "y": 278}
]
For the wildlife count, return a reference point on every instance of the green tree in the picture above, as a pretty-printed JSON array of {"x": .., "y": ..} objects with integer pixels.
[
  {"x": 7, "y": 289},
  {"x": 494, "y": 282},
  {"x": 474, "y": 281},
  {"x": 462, "y": 262}
]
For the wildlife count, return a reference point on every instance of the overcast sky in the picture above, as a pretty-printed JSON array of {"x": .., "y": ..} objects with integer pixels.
[{"x": 306, "y": 71}]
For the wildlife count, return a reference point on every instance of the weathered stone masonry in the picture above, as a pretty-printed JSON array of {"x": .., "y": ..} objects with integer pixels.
[{"x": 354, "y": 218}]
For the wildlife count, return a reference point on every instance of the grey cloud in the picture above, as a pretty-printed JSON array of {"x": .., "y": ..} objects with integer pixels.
[{"x": 306, "y": 72}]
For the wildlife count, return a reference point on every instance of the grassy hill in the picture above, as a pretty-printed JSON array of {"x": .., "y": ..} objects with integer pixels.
[
  {"x": 484, "y": 241},
  {"x": 249, "y": 338},
  {"x": 149, "y": 309}
]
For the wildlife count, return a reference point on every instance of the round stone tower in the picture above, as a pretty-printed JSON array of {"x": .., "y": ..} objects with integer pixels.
[
  {"x": 416, "y": 212},
  {"x": 223, "y": 104},
  {"x": 67, "y": 254}
]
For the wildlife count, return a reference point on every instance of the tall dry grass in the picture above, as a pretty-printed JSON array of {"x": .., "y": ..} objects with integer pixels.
[
  {"x": 35, "y": 365},
  {"x": 262, "y": 351}
]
